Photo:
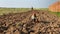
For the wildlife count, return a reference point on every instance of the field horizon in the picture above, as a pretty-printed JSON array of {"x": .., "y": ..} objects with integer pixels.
[{"x": 19, "y": 10}]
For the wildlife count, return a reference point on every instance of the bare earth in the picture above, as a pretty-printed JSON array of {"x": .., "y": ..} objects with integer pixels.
[{"x": 21, "y": 23}]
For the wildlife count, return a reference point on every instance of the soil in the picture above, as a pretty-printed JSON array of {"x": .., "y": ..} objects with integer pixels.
[{"x": 21, "y": 23}]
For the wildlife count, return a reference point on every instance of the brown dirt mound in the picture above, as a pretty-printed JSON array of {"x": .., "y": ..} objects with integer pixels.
[
  {"x": 55, "y": 7},
  {"x": 21, "y": 23}
]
